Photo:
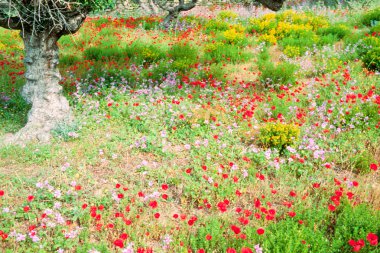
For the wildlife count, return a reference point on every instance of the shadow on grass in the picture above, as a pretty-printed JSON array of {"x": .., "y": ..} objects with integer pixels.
[{"x": 13, "y": 113}]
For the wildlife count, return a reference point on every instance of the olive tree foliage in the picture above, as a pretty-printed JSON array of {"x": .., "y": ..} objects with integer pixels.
[{"x": 41, "y": 24}]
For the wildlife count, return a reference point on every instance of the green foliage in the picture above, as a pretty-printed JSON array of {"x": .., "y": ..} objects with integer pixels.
[
  {"x": 183, "y": 55},
  {"x": 292, "y": 51},
  {"x": 273, "y": 76},
  {"x": 182, "y": 65},
  {"x": 148, "y": 23},
  {"x": 141, "y": 52},
  {"x": 338, "y": 30},
  {"x": 354, "y": 223},
  {"x": 328, "y": 39},
  {"x": 232, "y": 36},
  {"x": 102, "y": 21},
  {"x": 214, "y": 25},
  {"x": 362, "y": 161},
  {"x": 306, "y": 41},
  {"x": 278, "y": 135},
  {"x": 181, "y": 51},
  {"x": 371, "y": 59},
  {"x": 69, "y": 60},
  {"x": 296, "y": 46},
  {"x": 227, "y": 14},
  {"x": 103, "y": 53},
  {"x": 371, "y": 17},
  {"x": 353, "y": 38},
  {"x": 375, "y": 28},
  {"x": 66, "y": 131},
  {"x": 289, "y": 236},
  {"x": 220, "y": 52}
]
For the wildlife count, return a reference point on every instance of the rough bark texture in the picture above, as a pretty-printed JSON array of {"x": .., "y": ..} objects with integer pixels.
[
  {"x": 174, "y": 11},
  {"x": 40, "y": 33},
  {"x": 274, "y": 5},
  {"x": 42, "y": 89}
]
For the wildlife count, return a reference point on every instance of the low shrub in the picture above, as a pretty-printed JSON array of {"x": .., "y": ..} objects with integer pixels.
[
  {"x": 288, "y": 236},
  {"x": 354, "y": 223},
  {"x": 103, "y": 53},
  {"x": 214, "y": 25},
  {"x": 219, "y": 52},
  {"x": 148, "y": 23},
  {"x": 371, "y": 17},
  {"x": 68, "y": 60},
  {"x": 371, "y": 59},
  {"x": 227, "y": 14},
  {"x": 232, "y": 36},
  {"x": 297, "y": 45},
  {"x": 376, "y": 29},
  {"x": 102, "y": 21},
  {"x": 278, "y": 135},
  {"x": 141, "y": 52},
  {"x": 181, "y": 51},
  {"x": 182, "y": 65},
  {"x": 339, "y": 30},
  {"x": 292, "y": 51},
  {"x": 305, "y": 41},
  {"x": 273, "y": 76},
  {"x": 362, "y": 162},
  {"x": 268, "y": 38},
  {"x": 328, "y": 39}
]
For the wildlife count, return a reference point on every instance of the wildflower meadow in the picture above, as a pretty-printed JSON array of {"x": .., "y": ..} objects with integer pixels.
[{"x": 228, "y": 131}]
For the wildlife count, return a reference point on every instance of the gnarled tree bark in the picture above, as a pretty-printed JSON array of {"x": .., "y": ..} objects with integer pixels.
[
  {"x": 274, "y": 5},
  {"x": 42, "y": 88},
  {"x": 176, "y": 10}
]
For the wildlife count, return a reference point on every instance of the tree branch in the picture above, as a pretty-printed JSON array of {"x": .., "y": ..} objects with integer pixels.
[
  {"x": 13, "y": 23},
  {"x": 273, "y": 5},
  {"x": 74, "y": 23}
]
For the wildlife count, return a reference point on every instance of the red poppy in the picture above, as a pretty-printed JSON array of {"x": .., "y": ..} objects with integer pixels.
[
  {"x": 373, "y": 167},
  {"x": 231, "y": 250},
  {"x": 356, "y": 245},
  {"x": 373, "y": 239},
  {"x": 153, "y": 204},
  {"x": 124, "y": 236},
  {"x": 118, "y": 243},
  {"x": 222, "y": 207},
  {"x": 235, "y": 229},
  {"x": 260, "y": 231},
  {"x": 208, "y": 237},
  {"x": 246, "y": 250},
  {"x": 332, "y": 208}
]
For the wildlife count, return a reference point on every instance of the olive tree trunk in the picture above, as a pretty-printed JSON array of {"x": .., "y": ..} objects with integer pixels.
[
  {"x": 172, "y": 16},
  {"x": 42, "y": 89}
]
